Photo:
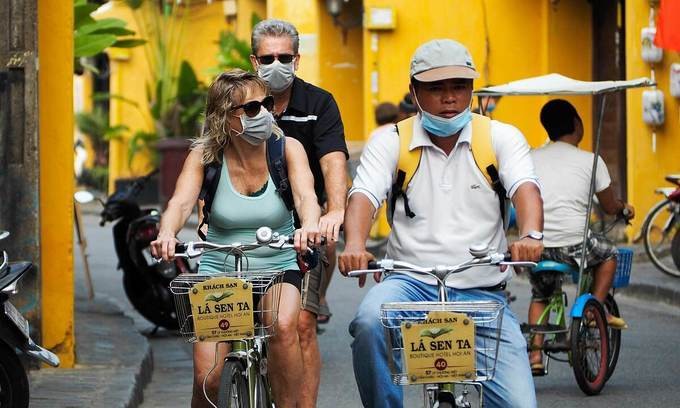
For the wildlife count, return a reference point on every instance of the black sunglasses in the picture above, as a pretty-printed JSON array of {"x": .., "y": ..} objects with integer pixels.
[
  {"x": 268, "y": 59},
  {"x": 252, "y": 108}
]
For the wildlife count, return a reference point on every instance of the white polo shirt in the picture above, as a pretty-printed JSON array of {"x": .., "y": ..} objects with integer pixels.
[{"x": 453, "y": 203}]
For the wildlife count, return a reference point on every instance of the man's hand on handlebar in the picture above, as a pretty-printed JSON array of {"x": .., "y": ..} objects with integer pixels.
[
  {"x": 628, "y": 212},
  {"x": 355, "y": 258},
  {"x": 305, "y": 236},
  {"x": 526, "y": 249},
  {"x": 164, "y": 246}
]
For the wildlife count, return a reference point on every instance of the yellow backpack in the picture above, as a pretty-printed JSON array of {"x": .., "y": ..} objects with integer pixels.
[{"x": 409, "y": 160}]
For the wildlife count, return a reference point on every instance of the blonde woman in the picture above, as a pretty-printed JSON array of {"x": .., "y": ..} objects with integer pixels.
[{"x": 238, "y": 122}]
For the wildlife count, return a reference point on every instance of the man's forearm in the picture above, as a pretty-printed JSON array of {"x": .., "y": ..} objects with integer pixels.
[
  {"x": 335, "y": 178},
  {"x": 358, "y": 220},
  {"x": 309, "y": 211},
  {"x": 529, "y": 207}
]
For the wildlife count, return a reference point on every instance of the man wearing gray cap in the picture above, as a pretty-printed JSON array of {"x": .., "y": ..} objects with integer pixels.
[{"x": 443, "y": 208}]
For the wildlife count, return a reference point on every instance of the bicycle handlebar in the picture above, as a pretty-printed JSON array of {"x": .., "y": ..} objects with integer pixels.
[{"x": 264, "y": 235}]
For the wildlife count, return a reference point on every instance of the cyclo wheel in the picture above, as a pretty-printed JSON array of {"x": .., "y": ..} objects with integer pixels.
[
  {"x": 233, "y": 391},
  {"x": 660, "y": 227},
  {"x": 614, "y": 335},
  {"x": 590, "y": 348}
]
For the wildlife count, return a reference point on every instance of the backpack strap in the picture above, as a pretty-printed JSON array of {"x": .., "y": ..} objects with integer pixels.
[
  {"x": 211, "y": 179},
  {"x": 485, "y": 158},
  {"x": 278, "y": 169},
  {"x": 407, "y": 165}
]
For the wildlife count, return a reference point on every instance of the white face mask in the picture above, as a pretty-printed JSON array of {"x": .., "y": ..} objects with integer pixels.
[
  {"x": 279, "y": 76},
  {"x": 258, "y": 128}
]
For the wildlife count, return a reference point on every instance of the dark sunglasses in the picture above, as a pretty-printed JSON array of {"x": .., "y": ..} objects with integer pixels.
[
  {"x": 252, "y": 108},
  {"x": 268, "y": 59}
]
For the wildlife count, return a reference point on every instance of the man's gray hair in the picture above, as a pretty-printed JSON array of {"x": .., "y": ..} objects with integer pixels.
[{"x": 274, "y": 28}]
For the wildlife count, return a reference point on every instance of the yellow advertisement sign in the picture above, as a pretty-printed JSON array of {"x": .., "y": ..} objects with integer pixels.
[
  {"x": 440, "y": 349},
  {"x": 222, "y": 309}
]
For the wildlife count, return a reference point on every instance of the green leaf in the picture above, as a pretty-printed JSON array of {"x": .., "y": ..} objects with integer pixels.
[
  {"x": 140, "y": 141},
  {"x": 103, "y": 24},
  {"x": 254, "y": 19},
  {"x": 92, "y": 44},
  {"x": 81, "y": 14},
  {"x": 187, "y": 83},
  {"x": 85, "y": 63},
  {"x": 105, "y": 96},
  {"x": 129, "y": 43}
]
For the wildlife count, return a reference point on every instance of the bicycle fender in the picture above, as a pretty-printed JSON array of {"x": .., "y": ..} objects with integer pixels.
[{"x": 577, "y": 309}]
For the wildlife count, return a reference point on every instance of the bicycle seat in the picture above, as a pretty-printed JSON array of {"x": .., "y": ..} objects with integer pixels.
[
  {"x": 673, "y": 178},
  {"x": 552, "y": 266}
]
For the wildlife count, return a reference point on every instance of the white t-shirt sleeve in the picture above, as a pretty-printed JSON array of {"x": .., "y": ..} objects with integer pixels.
[
  {"x": 514, "y": 160},
  {"x": 602, "y": 179},
  {"x": 376, "y": 167}
]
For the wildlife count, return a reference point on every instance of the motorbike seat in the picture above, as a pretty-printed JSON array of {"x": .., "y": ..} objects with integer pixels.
[{"x": 552, "y": 266}]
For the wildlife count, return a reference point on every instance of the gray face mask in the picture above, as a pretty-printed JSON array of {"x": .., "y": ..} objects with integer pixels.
[
  {"x": 257, "y": 129},
  {"x": 279, "y": 76}
]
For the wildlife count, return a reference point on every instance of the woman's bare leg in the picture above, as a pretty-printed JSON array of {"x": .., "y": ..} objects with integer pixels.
[{"x": 204, "y": 361}]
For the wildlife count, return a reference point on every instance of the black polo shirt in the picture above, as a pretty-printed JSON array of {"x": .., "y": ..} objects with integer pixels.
[{"x": 313, "y": 118}]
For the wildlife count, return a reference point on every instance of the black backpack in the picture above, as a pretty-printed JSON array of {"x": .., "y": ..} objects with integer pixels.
[{"x": 276, "y": 163}]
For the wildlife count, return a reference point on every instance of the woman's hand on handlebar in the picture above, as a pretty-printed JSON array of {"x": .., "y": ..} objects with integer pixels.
[
  {"x": 164, "y": 246},
  {"x": 356, "y": 258},
  {"x": 305, "y": 236}
]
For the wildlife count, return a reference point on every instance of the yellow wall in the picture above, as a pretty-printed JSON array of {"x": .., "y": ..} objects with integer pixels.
[
  {"x": 507, "y": 40},
  {"x": 55, "y": 32},
  {"x": 646, "y": 168},
  {"x": 341, "y": 66},
  {"x": 129, "y": 74}
]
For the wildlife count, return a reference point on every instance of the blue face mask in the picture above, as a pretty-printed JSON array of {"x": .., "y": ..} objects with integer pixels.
[{"x": 445, "y": 127}]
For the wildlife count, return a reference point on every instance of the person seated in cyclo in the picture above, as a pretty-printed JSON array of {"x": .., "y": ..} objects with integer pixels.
[
  {"x": 448, "y": 205},
  {"x": 238, "y": 123},
  {"x": 564, "y": 172}
]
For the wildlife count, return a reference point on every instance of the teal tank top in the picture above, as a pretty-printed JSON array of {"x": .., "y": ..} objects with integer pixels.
[{"x": 235, "y": 218}]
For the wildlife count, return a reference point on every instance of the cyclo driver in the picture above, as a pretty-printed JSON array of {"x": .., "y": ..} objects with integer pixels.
[{"x": 447, "y": 206}]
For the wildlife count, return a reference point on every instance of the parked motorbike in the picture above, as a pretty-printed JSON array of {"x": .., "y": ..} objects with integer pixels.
[
  {"x": 14, "y": 336},
  {"x": 146, "y": 282}
]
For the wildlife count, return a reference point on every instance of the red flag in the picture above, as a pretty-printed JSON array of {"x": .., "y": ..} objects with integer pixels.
[{"x": 668, "y": 25}]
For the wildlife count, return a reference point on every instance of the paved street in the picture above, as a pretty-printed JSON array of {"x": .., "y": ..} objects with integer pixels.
[{"x": 647, "y": 373}]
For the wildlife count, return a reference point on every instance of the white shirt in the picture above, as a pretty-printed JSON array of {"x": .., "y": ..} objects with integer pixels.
[
  {"x": 564, "y": 172},
  {"x": 453, "y": 203}
]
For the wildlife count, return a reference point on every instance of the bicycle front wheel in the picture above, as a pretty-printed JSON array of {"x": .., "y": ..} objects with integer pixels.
[
  {"x": 233, "y": 391},
  {"x": 659, "y": 230},
  {"x": 590, "y": 348}
]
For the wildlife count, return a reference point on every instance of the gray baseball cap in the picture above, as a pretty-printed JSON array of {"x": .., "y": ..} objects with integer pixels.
[{"x": 442, "y": 59}]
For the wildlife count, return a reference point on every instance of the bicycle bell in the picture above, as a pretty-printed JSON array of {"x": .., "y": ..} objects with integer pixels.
[{"x": 264, "y": 235}]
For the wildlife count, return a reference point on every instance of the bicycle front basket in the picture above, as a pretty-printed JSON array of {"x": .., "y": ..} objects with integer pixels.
[
  {"x": 486, "y": 315},
  {"x": 264, "y": 316}
]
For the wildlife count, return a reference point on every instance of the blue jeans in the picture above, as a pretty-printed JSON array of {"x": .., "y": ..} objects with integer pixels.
[{"x": 512, "y": 386}]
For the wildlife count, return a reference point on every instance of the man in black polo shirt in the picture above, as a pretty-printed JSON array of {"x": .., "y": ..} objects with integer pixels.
[{"x": 310, "y": 115}]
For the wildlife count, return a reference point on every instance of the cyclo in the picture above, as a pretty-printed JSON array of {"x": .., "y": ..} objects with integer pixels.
[
  {"x": 592, "y": 347},
  {"x": 449, "y": 347},
  {"x": 224, "y": 308}
]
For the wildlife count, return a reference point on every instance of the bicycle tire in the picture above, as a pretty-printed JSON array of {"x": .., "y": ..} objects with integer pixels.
[
  {"x": 614, "y": 335},
  {"x": 14, "y": 390},
  {"x": 673, "y": 270},
  {"x": 233, "y": 391},
  {"x": 675, "y": 249},
  {"x": 263, "y": 398},
  {"x": 589, "y": 357}
]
